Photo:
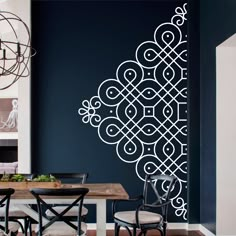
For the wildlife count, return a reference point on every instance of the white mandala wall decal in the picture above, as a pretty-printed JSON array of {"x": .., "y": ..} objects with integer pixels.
[{"x": 143, "y": 111}]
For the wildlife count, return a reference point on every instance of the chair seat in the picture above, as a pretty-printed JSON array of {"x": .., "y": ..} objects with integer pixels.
[
  {"x": 145, "y": 217},
  {"x": 13, "y": 227},
  {"x": 13, "y": 212},
  {"x": 72, "y": 212},
  {"x": 62, "y": 229}
]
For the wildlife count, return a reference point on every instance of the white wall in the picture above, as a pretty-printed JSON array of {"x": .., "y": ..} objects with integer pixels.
[
  {"x": 8, "y": 5},
  {"x": 21, "y": 89},
  {"x": 226, "y": 138}
]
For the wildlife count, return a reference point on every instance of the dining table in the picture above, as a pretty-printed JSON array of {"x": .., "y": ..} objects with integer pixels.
[{"x": 98, "y": 194}]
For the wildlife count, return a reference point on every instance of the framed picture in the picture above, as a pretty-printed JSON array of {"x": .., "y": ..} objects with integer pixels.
[{"x": 8, "y": 114}]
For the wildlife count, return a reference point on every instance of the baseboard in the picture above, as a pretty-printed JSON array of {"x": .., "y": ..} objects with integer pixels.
[
  {"x": 205, "y": 231},
  {"x": 110, "y": 226},
  {"x": 93, "y": 226},
  {"x": 177, "y": 226},
  {"x": 193, "y": 227},
  {"x": 186, "y": 226}
]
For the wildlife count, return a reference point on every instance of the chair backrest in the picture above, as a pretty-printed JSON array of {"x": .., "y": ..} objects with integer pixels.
[
  {"x": 71, "y": 177},
  {"x": 29, "y": 176},
  {"x": 41, "y": 193},
  {"x": 157, "y": 191},
  {"x": 5, "y": 195}
]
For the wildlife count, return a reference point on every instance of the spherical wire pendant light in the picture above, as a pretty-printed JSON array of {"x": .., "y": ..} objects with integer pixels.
[{"x": 15, "y": 49}]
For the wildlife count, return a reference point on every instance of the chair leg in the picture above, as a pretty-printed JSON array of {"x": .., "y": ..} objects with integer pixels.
[
  {"x": 164, "y": 228},
  {"x": 142, "y": 232},
  {"x": 21, "y": 226},
  {"x": 13, "y": 234},
  {"x": 130, "y": 234},
  {"x": 25, "y": 226},
  {"x": 30, "y": 227},
  {"x": 134, "y": 231},
  {"x": 117, "y": 229}
]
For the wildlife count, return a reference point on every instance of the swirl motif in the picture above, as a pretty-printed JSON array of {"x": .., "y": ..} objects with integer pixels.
[
  {"x": 88, "y": 111},
  {"x": 147, "y": 104},
  {"x": 180, "y": 16}
]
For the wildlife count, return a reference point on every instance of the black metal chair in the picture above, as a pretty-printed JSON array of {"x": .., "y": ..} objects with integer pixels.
[
  {"x": 15, "y": 215},
  {"x": 71, "y": 177},
  {"x": 7, "y": 227},
  {"x": 59, "y": 225},
  {"x": 151, "y": 209},
  {"x": 78, "y": 178}
]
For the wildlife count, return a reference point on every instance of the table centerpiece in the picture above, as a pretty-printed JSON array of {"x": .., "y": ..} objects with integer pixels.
[{"x": 20, "y": 181}]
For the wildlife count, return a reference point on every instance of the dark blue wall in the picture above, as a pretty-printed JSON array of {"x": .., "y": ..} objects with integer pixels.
[
  {"x": 218, "y": 22},
  {"x": 53, "y": 98},
  {"x": 194, "y": 113},
  {"x": 75, "y": 41}
]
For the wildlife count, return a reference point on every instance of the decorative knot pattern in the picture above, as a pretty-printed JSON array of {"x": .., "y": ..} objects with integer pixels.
[{"x": 143, "y": 111}]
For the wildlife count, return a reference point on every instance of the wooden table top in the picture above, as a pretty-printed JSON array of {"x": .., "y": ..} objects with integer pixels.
[{"x": 96, "y": 190}]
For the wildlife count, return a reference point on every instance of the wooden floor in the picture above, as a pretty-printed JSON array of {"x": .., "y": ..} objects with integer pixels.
[{"x": 151, "y": 233}]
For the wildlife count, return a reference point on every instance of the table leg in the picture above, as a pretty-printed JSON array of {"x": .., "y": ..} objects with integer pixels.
[{"x": 101, "y": 217}]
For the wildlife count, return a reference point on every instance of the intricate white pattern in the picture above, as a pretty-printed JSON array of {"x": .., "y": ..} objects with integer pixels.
[{"x": 144, "y": 110}]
